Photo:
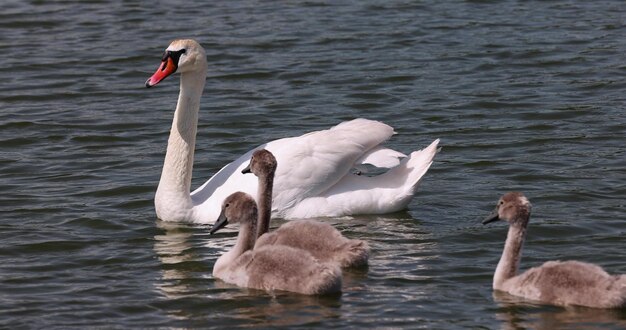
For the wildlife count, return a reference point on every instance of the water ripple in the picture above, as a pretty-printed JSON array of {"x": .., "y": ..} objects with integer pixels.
[{"x": 525, "y": 96}]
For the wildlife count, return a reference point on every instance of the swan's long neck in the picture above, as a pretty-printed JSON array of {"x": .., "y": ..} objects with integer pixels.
[
  {"x": 172, "y": 200},
  {"x": 511, "y": 256},
  {"x": 264, "y": 196}
]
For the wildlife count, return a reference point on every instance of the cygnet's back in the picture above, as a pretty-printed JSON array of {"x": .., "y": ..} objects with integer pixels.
[
  {"x": 554, "y": 282},
  {"x": 282, "y": 267},
  {"x": 570, "y": 283},
  {"x": 271, "y": 267},
  {"x": 322, "y": 240}
]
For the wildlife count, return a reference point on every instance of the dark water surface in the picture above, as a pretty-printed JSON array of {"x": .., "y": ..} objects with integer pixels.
[{"x": 525, "y": 96}]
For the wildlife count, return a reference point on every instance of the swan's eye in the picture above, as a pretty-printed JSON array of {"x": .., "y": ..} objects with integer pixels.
[{"x": 174, "y": 55}]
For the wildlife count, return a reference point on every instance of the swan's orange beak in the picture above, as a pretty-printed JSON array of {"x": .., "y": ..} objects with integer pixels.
[{"x": 166, "y": 68}]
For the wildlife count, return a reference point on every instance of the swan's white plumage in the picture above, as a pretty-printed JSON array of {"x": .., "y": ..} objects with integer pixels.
[
  {"x": 358, "y": 194},
  {"x": 314, "y": 174}
]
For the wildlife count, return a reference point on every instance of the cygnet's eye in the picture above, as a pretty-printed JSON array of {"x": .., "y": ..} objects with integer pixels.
[
  {"x": 227, "y": 205},
  {"x": 501, "y": 202}
]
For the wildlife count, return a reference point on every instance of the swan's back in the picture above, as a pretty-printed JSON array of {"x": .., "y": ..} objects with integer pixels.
[
  {"x": 570, "y": 283},
  {"x": 289, "y": 269},
  {"x": 323, "y": 241}
]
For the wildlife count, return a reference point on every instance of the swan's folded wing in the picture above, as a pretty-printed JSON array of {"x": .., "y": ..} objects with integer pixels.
[
  {"x": 307, "y": 166},
  {"x": 310, "y": 164}
]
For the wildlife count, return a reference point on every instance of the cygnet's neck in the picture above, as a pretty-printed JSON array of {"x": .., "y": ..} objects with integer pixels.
[
  {"x": 264, "y": 197},
  {"x": 172, "y": 200},
  {"x": 245, "y": 241},
  {"x": 511, "y": 255}
]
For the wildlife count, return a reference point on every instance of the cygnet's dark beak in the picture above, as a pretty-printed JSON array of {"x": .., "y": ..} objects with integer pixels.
[
  {"x": 246, "y": 170},
  {"x": 219, "y": 224},
  {"x": 491, "y": 217}
]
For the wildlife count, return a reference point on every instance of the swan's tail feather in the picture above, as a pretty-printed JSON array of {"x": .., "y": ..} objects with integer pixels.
[
  {"x": 408, "y": 176},
  {"x": 419, "y": 162},
  {"x": 355, "y": 253}
]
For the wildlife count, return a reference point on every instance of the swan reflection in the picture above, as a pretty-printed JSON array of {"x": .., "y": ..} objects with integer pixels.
[{"x": 186, "y": 255}]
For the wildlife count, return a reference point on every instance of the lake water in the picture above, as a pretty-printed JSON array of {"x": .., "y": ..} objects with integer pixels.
[{"x": 525, "y": 95}]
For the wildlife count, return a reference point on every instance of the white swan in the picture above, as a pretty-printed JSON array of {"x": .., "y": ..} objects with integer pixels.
[
  {"x": 555, "y": 282},
  {"x": 313, "y": 178},
  {"x": 270, "y": 267},
  {"x": 323, "y": 241}
]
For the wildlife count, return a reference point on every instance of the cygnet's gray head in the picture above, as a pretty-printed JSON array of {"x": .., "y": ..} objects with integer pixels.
[
  {"x": 262, "y": 162},
  {"x": 239, "y": 207},
  {"x": 512, "y": 207}
]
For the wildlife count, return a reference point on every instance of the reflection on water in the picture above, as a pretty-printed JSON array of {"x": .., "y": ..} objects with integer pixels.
[
  {"x": 518, "y": 313},
  {"x": 174, "y": 250},
  {"x": 290, "y": 310}
]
